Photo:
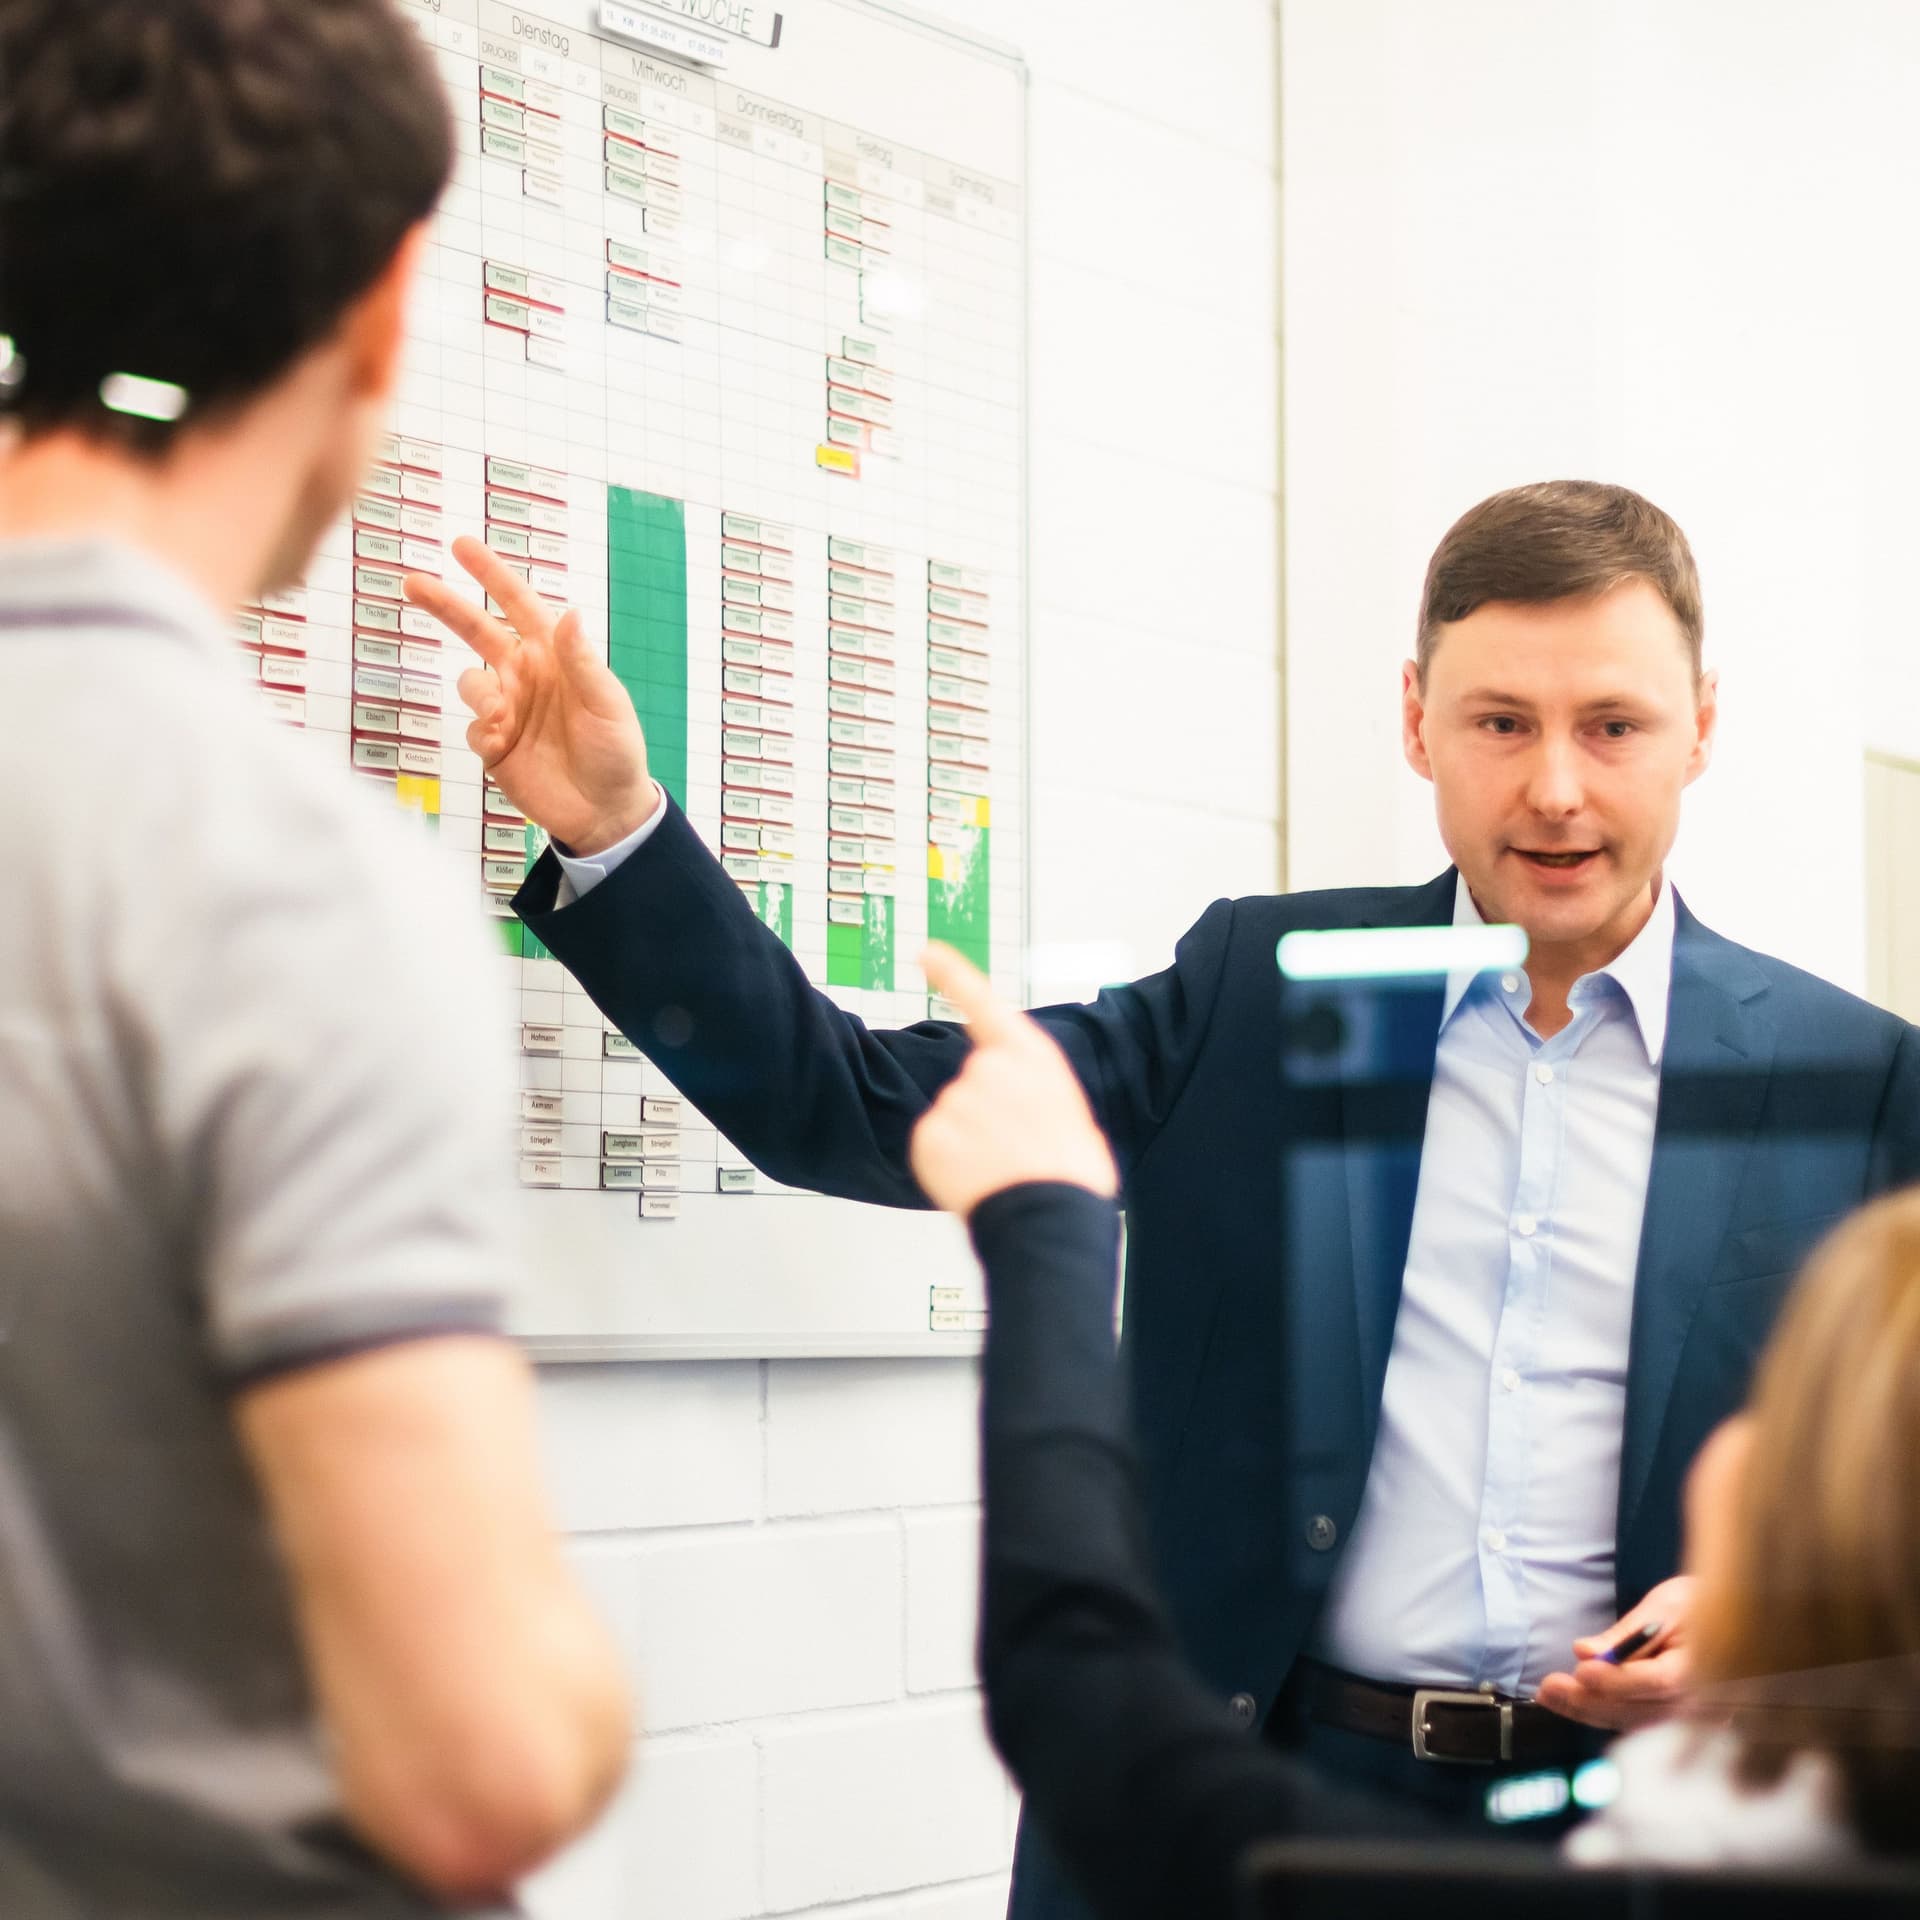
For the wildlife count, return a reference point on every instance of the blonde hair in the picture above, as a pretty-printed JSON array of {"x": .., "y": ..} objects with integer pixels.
[{"x": 1813, "y": 1640}]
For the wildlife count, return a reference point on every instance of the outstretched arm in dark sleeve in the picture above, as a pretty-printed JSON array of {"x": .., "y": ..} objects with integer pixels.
[{"x": 672, "y": 953}]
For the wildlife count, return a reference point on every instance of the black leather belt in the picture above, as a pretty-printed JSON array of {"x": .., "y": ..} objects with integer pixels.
[{"x": 1440, "y": 1723}]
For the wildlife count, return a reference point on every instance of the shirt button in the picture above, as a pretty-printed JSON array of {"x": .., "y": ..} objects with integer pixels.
[
  {"x": 1243, "y": 1707},
  {"x": 1496, "y": 1540},
  {"x": 1544, "y": 1074},
  {"x": 1321, "y": 1532},
  {"x": 1526, "y": 1226},
  {"x": 1511, "y": 982},
  {"x": 1509, "y": 1380}
]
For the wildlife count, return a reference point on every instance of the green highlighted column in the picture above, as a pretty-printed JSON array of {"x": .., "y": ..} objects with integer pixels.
[
  {"x": 860, "y": 954},
  {"x": 647, "y": 622},
  {"x": 959, "y": 873},
  {"x": 773, "y": 902}
]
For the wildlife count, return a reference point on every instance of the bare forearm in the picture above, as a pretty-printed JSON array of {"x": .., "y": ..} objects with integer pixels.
[
  {"x": 474, "y": 1704},
  {"x": 593, "y": 1708},
  {"x": 532, "y": 1757}
]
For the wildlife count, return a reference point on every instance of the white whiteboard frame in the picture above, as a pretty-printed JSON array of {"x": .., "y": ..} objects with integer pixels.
[{"x": 824, "y": 1217}]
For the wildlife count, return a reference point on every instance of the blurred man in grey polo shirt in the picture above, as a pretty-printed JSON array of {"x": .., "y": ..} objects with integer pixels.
[{"x": 283, "y": 1626}]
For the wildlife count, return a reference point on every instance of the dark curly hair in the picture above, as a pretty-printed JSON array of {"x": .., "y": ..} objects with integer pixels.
[{"x": 195, "y": 191}]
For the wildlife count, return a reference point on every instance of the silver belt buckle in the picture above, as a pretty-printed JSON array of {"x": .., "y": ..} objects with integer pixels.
[{"x": 1424, "y": 1697}]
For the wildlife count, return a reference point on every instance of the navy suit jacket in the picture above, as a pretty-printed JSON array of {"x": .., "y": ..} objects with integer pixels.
[{"x": 1257, "y": 1346}]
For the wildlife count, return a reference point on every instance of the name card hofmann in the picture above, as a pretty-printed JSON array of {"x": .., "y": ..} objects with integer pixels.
[{"x": 752, "y": 20}]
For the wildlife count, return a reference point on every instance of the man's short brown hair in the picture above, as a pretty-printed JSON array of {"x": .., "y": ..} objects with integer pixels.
[
  {"x": 1558, "y": 540},
  {"x": 196, "y": 191}
]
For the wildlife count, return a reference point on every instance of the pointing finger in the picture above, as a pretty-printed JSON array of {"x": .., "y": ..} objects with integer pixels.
[
  {"x": 956, "y": 978},
  {"x": 523, "y": 607},
  {"x": 478, "y": 628}
]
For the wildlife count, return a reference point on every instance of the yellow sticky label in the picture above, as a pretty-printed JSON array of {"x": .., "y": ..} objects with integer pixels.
[
  {"x": 838, "y": 460},
  {"x": 417, "y": 793},
  {"x": 936, "y": 864},
  {"x": 981, "y": 811}
]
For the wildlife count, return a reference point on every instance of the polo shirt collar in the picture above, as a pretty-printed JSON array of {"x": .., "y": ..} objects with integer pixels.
[{"x": 92, "y": 580}]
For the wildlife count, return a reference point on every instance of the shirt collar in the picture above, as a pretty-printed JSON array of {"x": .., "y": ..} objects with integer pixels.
[
  {"x": 1643, "y": 971},
  {"x": 93, "y": 580}
]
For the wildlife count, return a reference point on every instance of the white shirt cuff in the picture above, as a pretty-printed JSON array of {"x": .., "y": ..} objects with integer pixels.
[{"x": 580, "y": 875}]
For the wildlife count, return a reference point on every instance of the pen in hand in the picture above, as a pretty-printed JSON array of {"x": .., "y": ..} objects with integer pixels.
[{"x": 1635, "y": 1643}]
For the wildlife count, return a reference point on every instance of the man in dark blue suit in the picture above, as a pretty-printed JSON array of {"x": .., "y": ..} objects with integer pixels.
[{"x": 1413, "y": 1444}]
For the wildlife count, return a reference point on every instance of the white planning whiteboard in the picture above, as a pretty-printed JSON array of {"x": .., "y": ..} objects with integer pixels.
[{"x": 722, "y": 340}]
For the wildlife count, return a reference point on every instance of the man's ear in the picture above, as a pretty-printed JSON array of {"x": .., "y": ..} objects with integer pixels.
[
  {"x": 1706, "y": 723},
  {"x": 1413, "y": 720},
  {"x": 374, "y": 331}
]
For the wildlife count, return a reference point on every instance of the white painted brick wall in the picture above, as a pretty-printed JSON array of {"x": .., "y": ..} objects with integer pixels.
[
  {"x": 845, "y": 1435},
  {"x": 738, "y": 1624},
  {"x": 687, "y": 1451},
  {"x": 789, "y": 1552},
  {"x": 943, "y": 1584},
  {"x": 984, "y": 1899},
  {"x": 680, "y": 1842},
  {"x": 879, "y": 1802}
]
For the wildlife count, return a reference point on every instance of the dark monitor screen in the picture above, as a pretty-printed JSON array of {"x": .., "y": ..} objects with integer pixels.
[{"x": 1327, "y": 1880}]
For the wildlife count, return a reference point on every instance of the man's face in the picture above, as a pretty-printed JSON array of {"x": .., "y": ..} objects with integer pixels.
[{"x": 1559, "y": 739}]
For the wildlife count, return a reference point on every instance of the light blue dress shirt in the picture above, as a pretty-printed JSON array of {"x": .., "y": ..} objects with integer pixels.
[
  {"x": 580, "y": 874},
  {"x": 1485, "y": 1539}
]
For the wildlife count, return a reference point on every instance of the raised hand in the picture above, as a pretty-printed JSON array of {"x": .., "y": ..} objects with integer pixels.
[
  {"x": 1014, "y": 1113},
  {"x": 551, "y": 723}
]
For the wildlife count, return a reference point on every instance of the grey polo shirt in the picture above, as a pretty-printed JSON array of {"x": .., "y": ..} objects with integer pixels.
[{"x": 249, "y": 1091}]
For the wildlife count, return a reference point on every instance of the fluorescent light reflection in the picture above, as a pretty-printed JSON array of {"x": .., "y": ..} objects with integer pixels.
[
  {"x": 1395, "y": 953},
  {"x": 1597, "y": 1784},
  {"x": 1527, "y": 1796},
  {"x": 144, "y": 399}
]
